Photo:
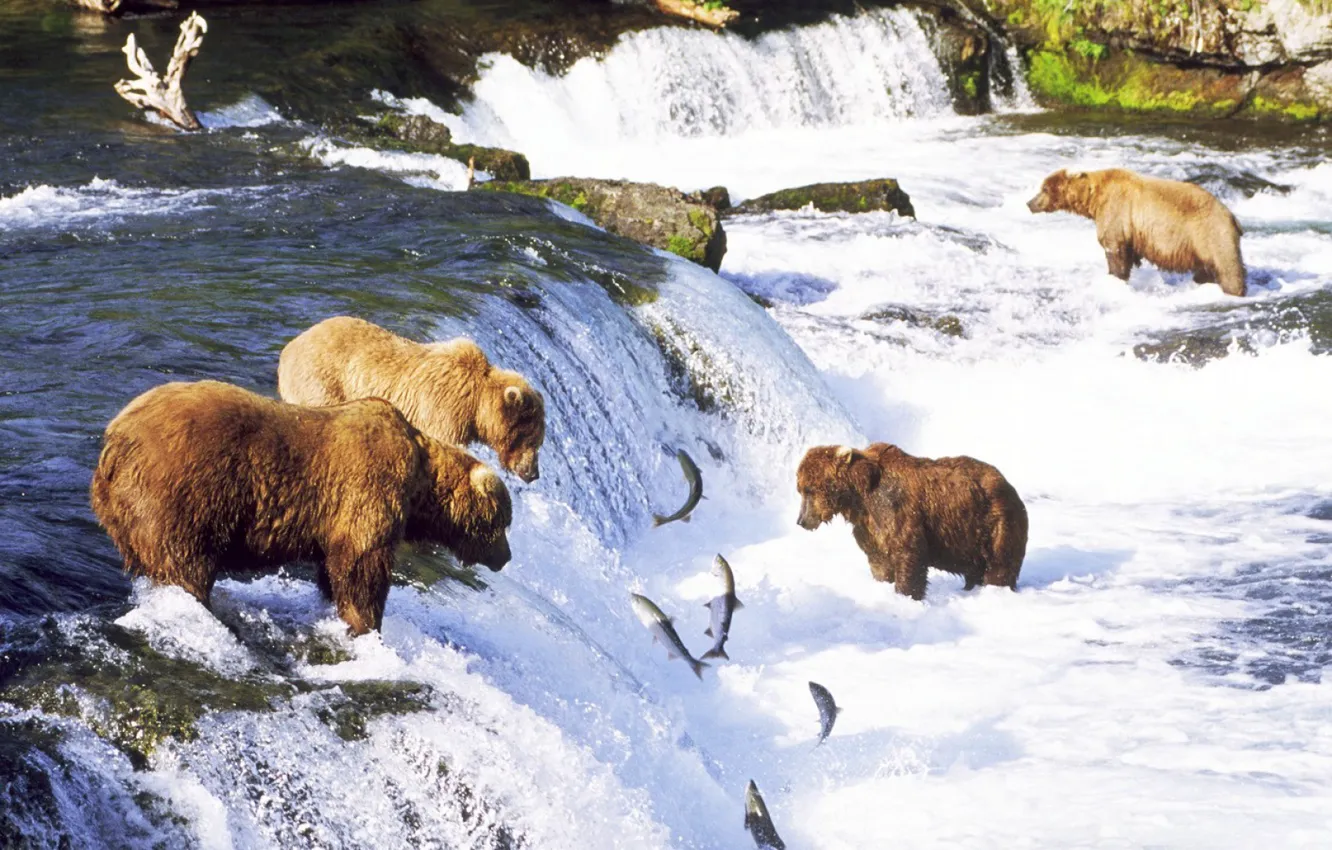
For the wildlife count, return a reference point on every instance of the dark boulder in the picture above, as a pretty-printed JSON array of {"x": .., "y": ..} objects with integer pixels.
[
  {"x": 865, "y": 196},
  {"x": 666, "y": 218}
]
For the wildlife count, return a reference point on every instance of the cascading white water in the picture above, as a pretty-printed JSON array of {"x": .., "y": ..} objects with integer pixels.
[
  {"x": 1128, "y": 695},
  {"x": 663, "y": 85}
]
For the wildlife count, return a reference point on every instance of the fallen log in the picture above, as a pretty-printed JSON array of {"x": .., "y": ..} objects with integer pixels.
[{"x": 163, "y": 95}]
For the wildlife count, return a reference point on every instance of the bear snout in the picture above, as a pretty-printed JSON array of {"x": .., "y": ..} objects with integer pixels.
[
  {"x": 1037, "y": 204},
  {"x": 528, "y": 471},
  {"x": 497, "y": 557},
  {"x": 808, "y": 520}
]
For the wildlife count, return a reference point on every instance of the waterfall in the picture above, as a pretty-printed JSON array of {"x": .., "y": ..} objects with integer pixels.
[{"x": 671, "y": 83}]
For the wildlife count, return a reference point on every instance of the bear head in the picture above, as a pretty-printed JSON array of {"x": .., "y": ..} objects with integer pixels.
[
  {"x": 833, "y": 480},
  {"x": 1064, "y": 192},
  {"x": 464, "y": 505},
  {"x": 516, "y": 424}
]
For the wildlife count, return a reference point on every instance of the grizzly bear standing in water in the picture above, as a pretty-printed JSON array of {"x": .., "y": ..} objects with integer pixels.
[
  {"x": 197, "y": 479},
  {"x": 911, "y": 513},
  {"x": 1178, "y": 226},
  {"x": 448, "y": 390}
]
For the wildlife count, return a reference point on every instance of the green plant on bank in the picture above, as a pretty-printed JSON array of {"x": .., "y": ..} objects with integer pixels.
[{"x": 713, "y": 5}]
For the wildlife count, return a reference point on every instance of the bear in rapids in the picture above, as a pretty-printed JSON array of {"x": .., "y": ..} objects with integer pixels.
[
  {"x": 1178, "y": 226},
  {"x": 911, "y": 513},
  {"x": 448, "y": 390},
  {"x": 199, "y": 478}
]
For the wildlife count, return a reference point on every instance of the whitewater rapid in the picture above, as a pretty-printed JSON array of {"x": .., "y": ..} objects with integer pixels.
[
  {"x": 1122, "y": 698},
  {"x": 1132, "y": 693}
]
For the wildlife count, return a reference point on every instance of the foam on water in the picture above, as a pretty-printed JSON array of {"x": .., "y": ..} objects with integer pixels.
[
  {"x": 1120, "y": 699},
  {"x": 248, "y": 112},
  {"x": 427, "y": 171},
  {"x": 102, "y": 202}
]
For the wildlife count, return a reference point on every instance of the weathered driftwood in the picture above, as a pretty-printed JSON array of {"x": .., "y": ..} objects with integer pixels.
[
  {"x": 696, "y": 10},
  {"x": 163, "y": 94},
  {"x": 106, "y": 7}
]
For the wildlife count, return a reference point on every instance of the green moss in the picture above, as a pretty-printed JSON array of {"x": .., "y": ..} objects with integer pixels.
[
  {"x": 1087, "y": 49},
  {"x": 971, "y": 84},
  {"x": 1293, "y": 111},
  {"x": 1053, "y": 75},
  {"x": 351, "y": 705},
  {"x": 685, "y": 247},
  {"x": 700, "y": 219}
]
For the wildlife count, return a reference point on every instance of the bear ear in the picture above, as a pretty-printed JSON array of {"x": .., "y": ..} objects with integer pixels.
[
  {"x": 865, "y": 474},
  {"x": 513, "y": 396}
]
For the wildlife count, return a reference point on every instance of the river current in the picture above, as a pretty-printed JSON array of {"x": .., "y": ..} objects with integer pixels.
[{"x": 1156, "y": 681}]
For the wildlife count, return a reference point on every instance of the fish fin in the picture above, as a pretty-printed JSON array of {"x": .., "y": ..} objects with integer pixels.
[
  {"x": 837, "y": 709},
  {"x": 685, "y": 518},
  {"x": 719, "y": 652},
  {"x": 697, "y": 666},
  {"x": 708, "y": 631},
  {"x": 738, "y": 604},
  {"x": 658, "y": 520}
]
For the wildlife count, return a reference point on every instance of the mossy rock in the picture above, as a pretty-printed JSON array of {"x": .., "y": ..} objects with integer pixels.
[
  {"x": 349, "y": 706},
  {"x": 945, "y": 323},
  {"x": 419, "y": 134},
  {"x": 865, "y": 196},
  {"x": 140, "y": 698},
  {"x": 684, "y": 224}
]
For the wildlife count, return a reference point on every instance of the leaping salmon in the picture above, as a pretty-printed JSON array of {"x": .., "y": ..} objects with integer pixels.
[
  {"x": 723, "y": 608},
  {"x": 664, "y": 631},
  {"x": 759, "y": 822},
  {"x": 695, "y": 479}
]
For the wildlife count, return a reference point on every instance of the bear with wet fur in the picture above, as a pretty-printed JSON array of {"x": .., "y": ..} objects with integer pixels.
[
  {"x": 449, "y": 390},
  {"x": 195, "y": 479},
  {"x": 910, "y": 513},
  {"x": 1178, "y": 227}
]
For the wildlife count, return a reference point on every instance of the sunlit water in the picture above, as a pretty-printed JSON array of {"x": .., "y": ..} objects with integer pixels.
[{"x": 1155, "y": 681}]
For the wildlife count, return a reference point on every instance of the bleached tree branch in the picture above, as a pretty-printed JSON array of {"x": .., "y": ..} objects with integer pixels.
[{"x": 164, "y": 95}]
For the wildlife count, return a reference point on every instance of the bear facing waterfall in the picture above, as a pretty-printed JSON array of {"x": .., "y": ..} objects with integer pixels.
[
  {"x": 908, "y": 513},
  {"x": 198, "y": 478},
  {"x": 449, "y": 390}
]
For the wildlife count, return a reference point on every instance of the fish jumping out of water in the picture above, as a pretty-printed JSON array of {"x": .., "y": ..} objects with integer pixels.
[
  {"x": 722, "y": 608},
  {"x": 758, "y": 822},
  {"x": 662, "y": 630},
  {"x": 828, "y": 710},
  {"x": 695, "y": 479}
]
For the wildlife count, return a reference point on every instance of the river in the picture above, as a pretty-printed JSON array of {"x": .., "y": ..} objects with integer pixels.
[{"x": 1156, "y": 681}]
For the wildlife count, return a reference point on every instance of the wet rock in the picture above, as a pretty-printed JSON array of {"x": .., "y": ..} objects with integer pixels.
[
  {"x": 420, "y": 134},
  {"x": 1236, "y": 57},
  {"x": 684, "y": 224},
  {"x": 719, "y": 197},
  {"x": 865, "y": 196},
  {"x": 944, "y": 323},
  {"x": 349, "y": 706},
  {"x": 963, "y": 51}
]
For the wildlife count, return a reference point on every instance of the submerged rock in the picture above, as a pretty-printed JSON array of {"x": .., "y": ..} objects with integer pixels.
[
  {"x": 865, "y": 196},
  {"x": 419, "y": 134},
  {"x": 665, "y": 218},
  {"x": 710, "y": 13}
]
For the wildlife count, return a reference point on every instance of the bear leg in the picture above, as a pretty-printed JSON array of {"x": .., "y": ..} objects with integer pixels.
[
  {"x": 360, "y": 583},
  {"x": 1204, "y": 276},
  {"x": 912, "y": 579},
  {"x": 1120, "y": 260}
]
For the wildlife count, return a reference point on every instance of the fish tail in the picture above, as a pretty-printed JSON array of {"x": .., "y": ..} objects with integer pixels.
[
  {"x": 697, "y": 666},
  {"x": 658, "y": 520},
  {"x": 719, "y": 652}
]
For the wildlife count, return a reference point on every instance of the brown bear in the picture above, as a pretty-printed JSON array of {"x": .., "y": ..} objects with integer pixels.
[
  {"x": 912, "y": 513},
  {"x": 448, "y": 390},
  {"x": 1178, "y": 226},
  {"x": 199, "y": 478}
]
